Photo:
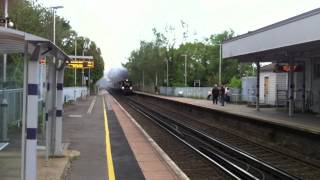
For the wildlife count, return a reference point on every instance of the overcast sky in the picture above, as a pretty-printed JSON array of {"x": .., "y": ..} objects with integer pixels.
[{"x": 117, "y": 26}]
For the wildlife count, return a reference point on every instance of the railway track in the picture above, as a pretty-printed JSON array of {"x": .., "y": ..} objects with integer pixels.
[
  {"x": 275, "y": 159},
  {"x": 233, "y": 162},
  {"x": 193, "y": 165}
]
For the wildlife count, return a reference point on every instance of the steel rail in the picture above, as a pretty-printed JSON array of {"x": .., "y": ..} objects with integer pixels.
[
  {"x": 225, "y": 165},
  {"x": 277, "y": 173}
]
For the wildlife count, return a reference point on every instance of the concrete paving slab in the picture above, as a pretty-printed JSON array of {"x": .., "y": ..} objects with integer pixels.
[{"x": 87, "y": 135}]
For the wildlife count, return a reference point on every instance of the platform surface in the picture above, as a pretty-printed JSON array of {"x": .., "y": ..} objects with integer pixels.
[
  {"x": 305, "y": 122},
  {"x": 132, "y": 156},
  {"x": 153, "y": 166}
]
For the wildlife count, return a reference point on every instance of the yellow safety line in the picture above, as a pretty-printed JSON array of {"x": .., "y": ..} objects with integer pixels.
[{"x": 108, "y": 144}]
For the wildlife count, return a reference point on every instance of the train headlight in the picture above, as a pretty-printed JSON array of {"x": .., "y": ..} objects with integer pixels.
[
  {"x": 130, "y": 87},
  {"x": 122, "y": 88}
]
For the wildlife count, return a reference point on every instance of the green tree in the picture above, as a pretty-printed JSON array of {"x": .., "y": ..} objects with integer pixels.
[
  {"x": 31, "y": 17},
  {"x": 202, "y": 60}
]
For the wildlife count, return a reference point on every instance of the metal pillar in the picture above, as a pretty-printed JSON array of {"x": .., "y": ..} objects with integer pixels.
[
  {"x": 6, "y": 15},
  {"x": 89, "y": 82},
  {"x": 142, "y": 80},
  {"x": 82, "y": 78},
  {"x": 31, "y": 116},
  {"x": 258, "y": 87},
  {"x": 185, "y": 69},
  {"x": 4, "y": 120},
  {"x": 167, "y": 61},
  {"x": 304, "y": 88},
  {"x": 291, "y": 90},
  {"x": 51, "y": 108},
  {"x": 75, "y": 70},
  {"x": 58, "y": 150},
  {"x": 220, "y": 63}
]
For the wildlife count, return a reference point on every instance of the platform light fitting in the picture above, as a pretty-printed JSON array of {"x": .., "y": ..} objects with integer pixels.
[{"x": 7, "y": 20}]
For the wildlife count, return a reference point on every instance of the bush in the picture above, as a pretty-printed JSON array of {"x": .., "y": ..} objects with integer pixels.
[{"x": 235, "y": 82}]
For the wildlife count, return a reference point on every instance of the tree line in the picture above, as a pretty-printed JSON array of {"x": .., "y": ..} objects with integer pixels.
[
  {"x": 148, "y": 63},
  {"x": 32, "y": 17}
]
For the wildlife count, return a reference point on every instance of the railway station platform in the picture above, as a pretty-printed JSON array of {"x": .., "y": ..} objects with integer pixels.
[
  {"x": 111, "y": 144},
  {"x": 309, "y": 123}
]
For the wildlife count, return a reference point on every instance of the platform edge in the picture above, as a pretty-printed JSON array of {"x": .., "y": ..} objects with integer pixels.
[{"x": 172, "y": 165}]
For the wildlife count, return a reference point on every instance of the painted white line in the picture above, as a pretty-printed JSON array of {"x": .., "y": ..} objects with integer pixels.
[
  {"x": 75, "y": 116},
  {"x": 92, "y": 105},
  {"x": 174, "y": 167},
  {"x": 3, "y": 145}
]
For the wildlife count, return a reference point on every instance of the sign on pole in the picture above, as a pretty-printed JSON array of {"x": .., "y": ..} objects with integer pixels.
[{"x": 80, "y": 64}]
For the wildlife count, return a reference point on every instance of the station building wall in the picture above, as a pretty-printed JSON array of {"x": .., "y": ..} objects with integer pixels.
[
  {"x": 312, "y": 83},
  {"x": 268, "y": 90}
]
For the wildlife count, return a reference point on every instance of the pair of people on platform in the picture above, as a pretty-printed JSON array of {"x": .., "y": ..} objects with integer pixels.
[{"x": 218, "y": 94}]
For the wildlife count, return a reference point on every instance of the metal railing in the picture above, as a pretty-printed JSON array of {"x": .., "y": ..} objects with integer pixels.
[{"x": 73, "y": 93}]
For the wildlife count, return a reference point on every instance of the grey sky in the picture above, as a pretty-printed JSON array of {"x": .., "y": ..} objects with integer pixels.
[{"x": 117, "y": 26}]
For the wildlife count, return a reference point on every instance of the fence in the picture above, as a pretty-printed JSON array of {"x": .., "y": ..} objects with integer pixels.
[
  {"x": 14, "y": 99},
  {"x": 73, "y": 93},
  {"x": 196, "y": 92}
]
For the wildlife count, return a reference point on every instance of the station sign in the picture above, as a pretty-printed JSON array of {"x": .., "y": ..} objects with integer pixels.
[
  {"x": 79, "y": 64},
  {"x": 42, "y": 61},
  {"x": 288, "y": 68}
]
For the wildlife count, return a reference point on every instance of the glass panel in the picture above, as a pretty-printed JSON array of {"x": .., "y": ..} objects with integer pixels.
[{"x": 11, "y": 99}]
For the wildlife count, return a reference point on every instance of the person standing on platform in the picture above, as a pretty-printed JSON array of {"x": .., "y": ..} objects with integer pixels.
[
  {"x": 215, "y": 94},
  {"x": 222, "y": 95},
  {"x": 209, "y": 95},
  {"x": 227, "y": 94}
]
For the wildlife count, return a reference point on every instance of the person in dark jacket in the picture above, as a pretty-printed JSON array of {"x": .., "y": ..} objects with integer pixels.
[
  {"x": 222, "y": 95},
  {"x": 215, "y": 94}
]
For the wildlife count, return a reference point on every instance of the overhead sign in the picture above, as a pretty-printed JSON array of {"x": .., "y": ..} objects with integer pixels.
[
  {"x": 76, "y": 64},
  {"x": 42, "y": 61},
  {"x": 288, "y": 68}
]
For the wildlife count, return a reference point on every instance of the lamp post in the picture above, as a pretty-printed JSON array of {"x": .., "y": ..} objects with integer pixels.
[
  {"x": 167, "y": 61},
  {"x": 54, "y": 8},
  {"x": 5, "y": 55},
  {"x": 185, "y": 69},
  {"x": 75, "y": 58}
]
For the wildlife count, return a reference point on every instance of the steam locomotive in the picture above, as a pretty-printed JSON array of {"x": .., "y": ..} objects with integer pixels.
[
  {"x": 119, "y": 81},
  {"x": 126, "y": 87}
]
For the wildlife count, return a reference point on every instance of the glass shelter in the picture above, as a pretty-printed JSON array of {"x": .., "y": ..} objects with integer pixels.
[{"x": 19, "y": 111}]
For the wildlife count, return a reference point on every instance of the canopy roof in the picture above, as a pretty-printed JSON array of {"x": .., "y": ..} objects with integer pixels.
[
  {"x": 14, "y": 41},
  {"x": 81, "y": 57},
  {"x": 298, "y": 36}
]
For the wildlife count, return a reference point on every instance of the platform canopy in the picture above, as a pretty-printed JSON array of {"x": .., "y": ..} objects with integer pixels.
[
  {"x": 298, "y": 36},
  {"x": 82, "y": 57},
  {"x": 14, "y": 41}
]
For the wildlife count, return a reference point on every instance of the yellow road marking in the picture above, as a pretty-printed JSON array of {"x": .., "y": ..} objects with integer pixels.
[{"x": 108, "y": 144}]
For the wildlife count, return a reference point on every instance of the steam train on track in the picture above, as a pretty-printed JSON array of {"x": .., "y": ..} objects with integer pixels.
[
  {"x": 126, "y": 87},
  {"x": 119, "y": 81}
]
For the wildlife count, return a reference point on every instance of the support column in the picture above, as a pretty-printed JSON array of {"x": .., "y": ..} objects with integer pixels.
[
  {"x": 291, "y": 90},
  {"x": 31, "y": 115},
  {"x": 304, "y": 88},
  {"x": 4, "y": 121},
  {"x": 258, "y": 87},
  {"x": 51, "y": 108},
  {"x": 89, "y": 81},
  {"x": 58, "y": 149}
]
